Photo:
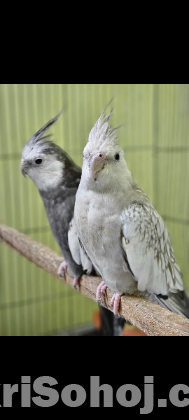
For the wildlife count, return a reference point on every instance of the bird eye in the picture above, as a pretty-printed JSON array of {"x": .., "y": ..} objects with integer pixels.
[
  {"x": 117, "y": 156},
  {"x": 38, "y": 161}
]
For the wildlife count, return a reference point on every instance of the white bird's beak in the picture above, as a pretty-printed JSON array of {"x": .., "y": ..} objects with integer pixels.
[{"x": 96, "y": 164}]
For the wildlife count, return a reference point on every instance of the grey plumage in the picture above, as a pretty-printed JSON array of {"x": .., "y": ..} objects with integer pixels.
[
  {"x": 58, "y": 196},
  {"x": 57, "y": 178},
  {"x": 174, "y": 302},
  {"x": 59, "y": 205}
]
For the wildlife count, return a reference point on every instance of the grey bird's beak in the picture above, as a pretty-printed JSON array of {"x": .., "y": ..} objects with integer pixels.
[
  {"x": 23, "y": 167},
  {"x": 96, "y": 164}
]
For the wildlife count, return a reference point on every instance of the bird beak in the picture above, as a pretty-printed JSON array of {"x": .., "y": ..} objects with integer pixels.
[
  {"x": 23, "y": 167},
  {"x": 96, "y": 164}
]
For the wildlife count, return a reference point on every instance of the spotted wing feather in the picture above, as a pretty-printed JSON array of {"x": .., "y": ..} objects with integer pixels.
[{"x": 149, "y": 252}]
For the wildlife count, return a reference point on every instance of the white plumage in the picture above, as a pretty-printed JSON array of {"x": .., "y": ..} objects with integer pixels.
[
  {"x": 78, "y": 255},
  {"x": 121, "y": 232},
  {"x": 149, "y": 251}
]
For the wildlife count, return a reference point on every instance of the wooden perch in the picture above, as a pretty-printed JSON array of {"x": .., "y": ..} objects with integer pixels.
[{"x": 149, "y": 317}]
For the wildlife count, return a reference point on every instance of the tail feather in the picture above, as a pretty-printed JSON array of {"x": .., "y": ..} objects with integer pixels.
[
  {"x": 175, "y": 302},
  {"x": 111, "y": 325}
]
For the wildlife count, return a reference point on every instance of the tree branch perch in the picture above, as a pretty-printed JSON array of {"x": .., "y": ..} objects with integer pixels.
[{"x": 149, "y": 317}]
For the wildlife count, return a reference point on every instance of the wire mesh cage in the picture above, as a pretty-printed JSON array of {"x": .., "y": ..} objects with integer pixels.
[{"x": 154, "y": 136}]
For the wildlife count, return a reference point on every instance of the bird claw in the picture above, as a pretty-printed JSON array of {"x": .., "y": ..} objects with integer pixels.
[
  {"x": 100, "y": 289},
  {"x": 62, "y": 268},
  {"x": 76, "y": 282},
  {"x": 115, "y": 302}
]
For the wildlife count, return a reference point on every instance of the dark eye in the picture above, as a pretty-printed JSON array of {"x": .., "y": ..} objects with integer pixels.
[
  {"x": 117, "y": 156},
  {"x": 38, "y": 161}
]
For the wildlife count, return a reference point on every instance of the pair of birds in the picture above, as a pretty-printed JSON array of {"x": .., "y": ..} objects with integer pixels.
[{"x": 101, "y": 219}]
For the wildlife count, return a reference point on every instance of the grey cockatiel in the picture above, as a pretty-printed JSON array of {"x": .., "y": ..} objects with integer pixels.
[
  {"x": 57, "y": 178},
  {"x": 120, "y": 230}
]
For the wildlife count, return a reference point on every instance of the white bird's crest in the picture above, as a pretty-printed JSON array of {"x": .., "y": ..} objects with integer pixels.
[{"x": 102, "y": 131}]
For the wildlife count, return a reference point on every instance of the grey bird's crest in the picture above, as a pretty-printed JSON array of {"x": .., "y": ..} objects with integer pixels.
[
  {"x": 42, "y": 143},
  {"x": 37, "y": 136}
]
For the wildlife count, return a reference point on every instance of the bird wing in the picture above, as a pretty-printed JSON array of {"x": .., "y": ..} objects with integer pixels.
[
  {"x": 78, "y": 253},
  {"x": 73, "y": 242},
  {"x": 146, "y": 243}
]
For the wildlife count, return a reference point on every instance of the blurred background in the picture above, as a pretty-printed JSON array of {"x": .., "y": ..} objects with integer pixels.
[{"x": 155, "y": 138}]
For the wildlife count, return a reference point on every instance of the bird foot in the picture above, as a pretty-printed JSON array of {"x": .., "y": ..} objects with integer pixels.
[
  {"x": 62, "y": 268},
  {"x": 76, "y": 282},
  {"x": 100, "y": 289},
  {"x": 115, "y": 302}
]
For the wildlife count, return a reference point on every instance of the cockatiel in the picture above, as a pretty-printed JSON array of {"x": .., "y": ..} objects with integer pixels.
[
  {"x": 57, "y": 178},
  {"x": 120, "y": 230}
]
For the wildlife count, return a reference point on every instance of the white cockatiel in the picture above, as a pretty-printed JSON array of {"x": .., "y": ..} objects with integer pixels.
[{"x": 120, "y": 230}]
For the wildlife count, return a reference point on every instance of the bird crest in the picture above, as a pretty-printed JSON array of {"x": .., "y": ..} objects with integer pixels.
[
  {"x": 102, "y": 130},
  {"x": 38, "y": 141}
]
